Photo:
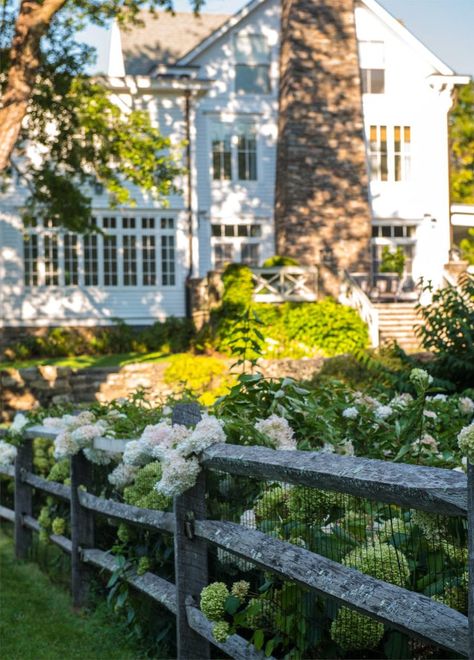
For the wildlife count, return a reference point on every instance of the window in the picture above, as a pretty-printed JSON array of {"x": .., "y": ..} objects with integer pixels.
[
  {"x": 372, "y": 66},
  {"x": 129, "y": 260},
  {"x": 234, "y": 152},
  {"x": 71, "y": 259},
  {"x": 30, "y": 259},
  {"x": 51, "y": 260},
  {"x": 110, "y": 261},
  {"x": 148, "y": 223},
  {"x": 109, "y": 223},
  {"x": 167, "y": 223},
  {"x": 389, "y": 153},
  {"x": 91, "y": 260},
  {"x": 250, "y": 254},
  {"x": 221, "y": 153},
  {"x": 128, "y": 223},
  {"x": 149, "y": 260},
  {"x": 247, "y": 155},
  {"x": 401, "y": 152},
  {"x": 223, "y": 255},
  {"x": 168, "y": 277},
  {"x": 252, "y": 64}
]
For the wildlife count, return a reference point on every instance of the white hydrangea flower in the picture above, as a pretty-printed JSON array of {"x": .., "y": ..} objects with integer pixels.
[
  {"x": 382, "y": 412},
  {"x": 439, "y": 397},
  {"x": 466, "y": 405},
  {"x": 64, "y": 445},
  {"x": 122, "y": 475},
  {"x": 466, "y": 441},
  {"x": 350, "y": 413},
  {"x": 179, "y": 474},
  {"x": 364, "y": 399},
  {"x": 135, "y": 454},
  {"x": 19, "y": 422},
  {"x": 97, "y": 456},
  {"x": 167, "y": 411},
  {"x": 420, "y": 378},
  {"x": 209, "y": 431},
  {"x": 278, "y": 430},
  {"x": 85, "y": 435},
  {"x": 156, "y": 435},
  {"x": 7, "y": 453},
  {"x": 54, "y": 423},
  {"x": 401, "y": 400},
  {"x": 430, "y": 414},
  {"x": 426, "y": 443},
  {"x": 346, "y": 448}
]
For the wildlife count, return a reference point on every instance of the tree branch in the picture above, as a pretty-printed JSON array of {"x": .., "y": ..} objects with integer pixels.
[{"x": 33, "y": 21}]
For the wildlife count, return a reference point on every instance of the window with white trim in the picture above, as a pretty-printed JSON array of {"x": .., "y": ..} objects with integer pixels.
[
  {"x": 236, "y": 242},
  {"x": 234, "y": 151},
  {"x": 223, "y": 255},
  {"x": 252, "y": 64},
  {"x": 130, "y": 253},
  {"x": 372, "y": 66},
  {"x": 250, "y": 254},
  {"x": 389, "y": 151}
]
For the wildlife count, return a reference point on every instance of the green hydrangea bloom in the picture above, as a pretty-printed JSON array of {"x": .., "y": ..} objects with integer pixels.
[
  {"x": 60, "y": 471},
  {"x": 466, "y": 441},
  {"x": 143, "y": 565},
  {"x": 393, "y": 526},
  {"x": 455, "y": 553},
  {"x": 352, "y": 630},
  {"x": 123, "y": 533},
  {"x": 309, "y": 505},
  {"x": 264, "y": 616},
  {"x": 59, "y": 526},
  {"x": 213, "y": 598},
  {"x": 434, "y": 528},
  {"x": 240, "y": 589},
  {"x": 380, "y": 560},
  {"x": 142, "y": 493},
  {"x": 44, "y": 518},
  {"x": 221, "y": 631},
  {"x": 454, "y": 597},
  {"x": 272, "y": 504}
]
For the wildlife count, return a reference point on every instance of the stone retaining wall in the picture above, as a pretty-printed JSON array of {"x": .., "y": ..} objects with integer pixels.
[{"x": 25, "y": 389}]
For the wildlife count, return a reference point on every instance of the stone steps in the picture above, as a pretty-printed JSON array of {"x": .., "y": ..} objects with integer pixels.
[{"x": 397, "y": 321}]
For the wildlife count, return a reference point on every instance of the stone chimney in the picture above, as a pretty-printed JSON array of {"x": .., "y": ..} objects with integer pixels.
[{"x": 322, "y": 213}]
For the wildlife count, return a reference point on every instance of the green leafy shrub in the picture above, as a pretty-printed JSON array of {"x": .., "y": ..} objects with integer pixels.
[
  {"x": 467, "y": 247},
  {"x": 205, "y": 377},
  {"x": 238, "y": 287},
  {"x": 448, "y": 332},
  {"x": 278, "y": 261},
  {"x": 173, "y": 335},
  {"x": 392, "y": 261}
]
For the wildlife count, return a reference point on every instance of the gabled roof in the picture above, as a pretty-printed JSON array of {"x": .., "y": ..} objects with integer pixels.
[{"x": 164, "y": 38}]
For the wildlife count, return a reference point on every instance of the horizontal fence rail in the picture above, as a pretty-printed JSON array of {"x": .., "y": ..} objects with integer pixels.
[{"x": 429, "y": 489}]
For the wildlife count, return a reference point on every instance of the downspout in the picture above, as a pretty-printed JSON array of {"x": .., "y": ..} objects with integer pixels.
[{"x": 189, "y": 201}]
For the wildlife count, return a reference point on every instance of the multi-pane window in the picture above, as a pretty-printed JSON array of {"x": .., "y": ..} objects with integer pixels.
[
  {"x": 250, "y": 254},
  {"x": 51, "y": 260},
  {"x": 372, "y": 66},
  {"x": 130, "y": 252},
  {"x": 240, "y": 230},
  {"x": 234, "y": 152},
  {"x": 130, "y": 260},
  {"x": 91, "y": 260},
  {"x": 252, "y": 64},
  {"x": 30, "y": 259},
  {"x": 168, "y": 265},
  {"x": 389, "y": 153},
  {"x": 247, "y": 155},
  {"x": 401, "y": 152},
  {"x": 221, "y": 153},
  {"x": 149, "y": 260},
  {"x": 109, "y": 259},
  {"x": 223, "y": 255},
  {"x": 71, "y": 259}
]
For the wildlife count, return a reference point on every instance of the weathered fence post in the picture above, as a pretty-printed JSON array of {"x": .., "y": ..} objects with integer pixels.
[
  {"x": 470, "y": 527},
  {"x": 82, "y": 529},
  {"x": 23, "y": 498},
  {"x": 190, "y": 553}
]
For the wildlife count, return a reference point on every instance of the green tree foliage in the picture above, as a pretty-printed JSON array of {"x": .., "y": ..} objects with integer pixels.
[
  {"x": 462, "y": 146},
  {"x": 392, "y": 261},
  {"x": 467, "y": 247},
  {"x": 84, "y": 138}
]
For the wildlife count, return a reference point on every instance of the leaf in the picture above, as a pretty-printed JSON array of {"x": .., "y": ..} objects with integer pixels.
[
  {"x": 258, "y": 639},
  {"x": 232, "y": 604}
]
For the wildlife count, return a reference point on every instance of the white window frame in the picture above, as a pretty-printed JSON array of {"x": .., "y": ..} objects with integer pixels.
[
  {"x": 252, "y": 60},
  {"x": 234, "y": 132},
  {"x": 382, "y": 151}
]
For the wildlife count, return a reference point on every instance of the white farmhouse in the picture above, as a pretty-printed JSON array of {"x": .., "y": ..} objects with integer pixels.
[{"x": 214, "y": 81}]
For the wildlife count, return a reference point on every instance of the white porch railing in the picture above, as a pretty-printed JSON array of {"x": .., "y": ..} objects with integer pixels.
[
  {"x": 353, "y": 295},
  {"x": 285, "y": 284}
]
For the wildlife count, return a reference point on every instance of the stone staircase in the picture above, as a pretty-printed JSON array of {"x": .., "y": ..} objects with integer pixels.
[{"x": 397, "y": 321}]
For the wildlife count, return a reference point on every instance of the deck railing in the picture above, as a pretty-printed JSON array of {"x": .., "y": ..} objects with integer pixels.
[
  {"x": 285, "y": 284},
  {"x": 434, "y": 490}
]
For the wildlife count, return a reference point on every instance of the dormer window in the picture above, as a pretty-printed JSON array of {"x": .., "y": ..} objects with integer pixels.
[
  {"x": 372, "y": 66},
  {"x": 252, "y": 64}
]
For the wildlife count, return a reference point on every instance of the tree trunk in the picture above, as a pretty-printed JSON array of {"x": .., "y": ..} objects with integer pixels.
[{"x": 33, "y": 21}]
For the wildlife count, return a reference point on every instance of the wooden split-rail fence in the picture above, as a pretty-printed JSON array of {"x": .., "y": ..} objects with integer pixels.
[{"x": 434, "y": 490}]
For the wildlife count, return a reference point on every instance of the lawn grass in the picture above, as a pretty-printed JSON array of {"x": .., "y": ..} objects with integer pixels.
[
  {"x": 37, "y": 621},
  {"x": 88, "y": 361}
]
